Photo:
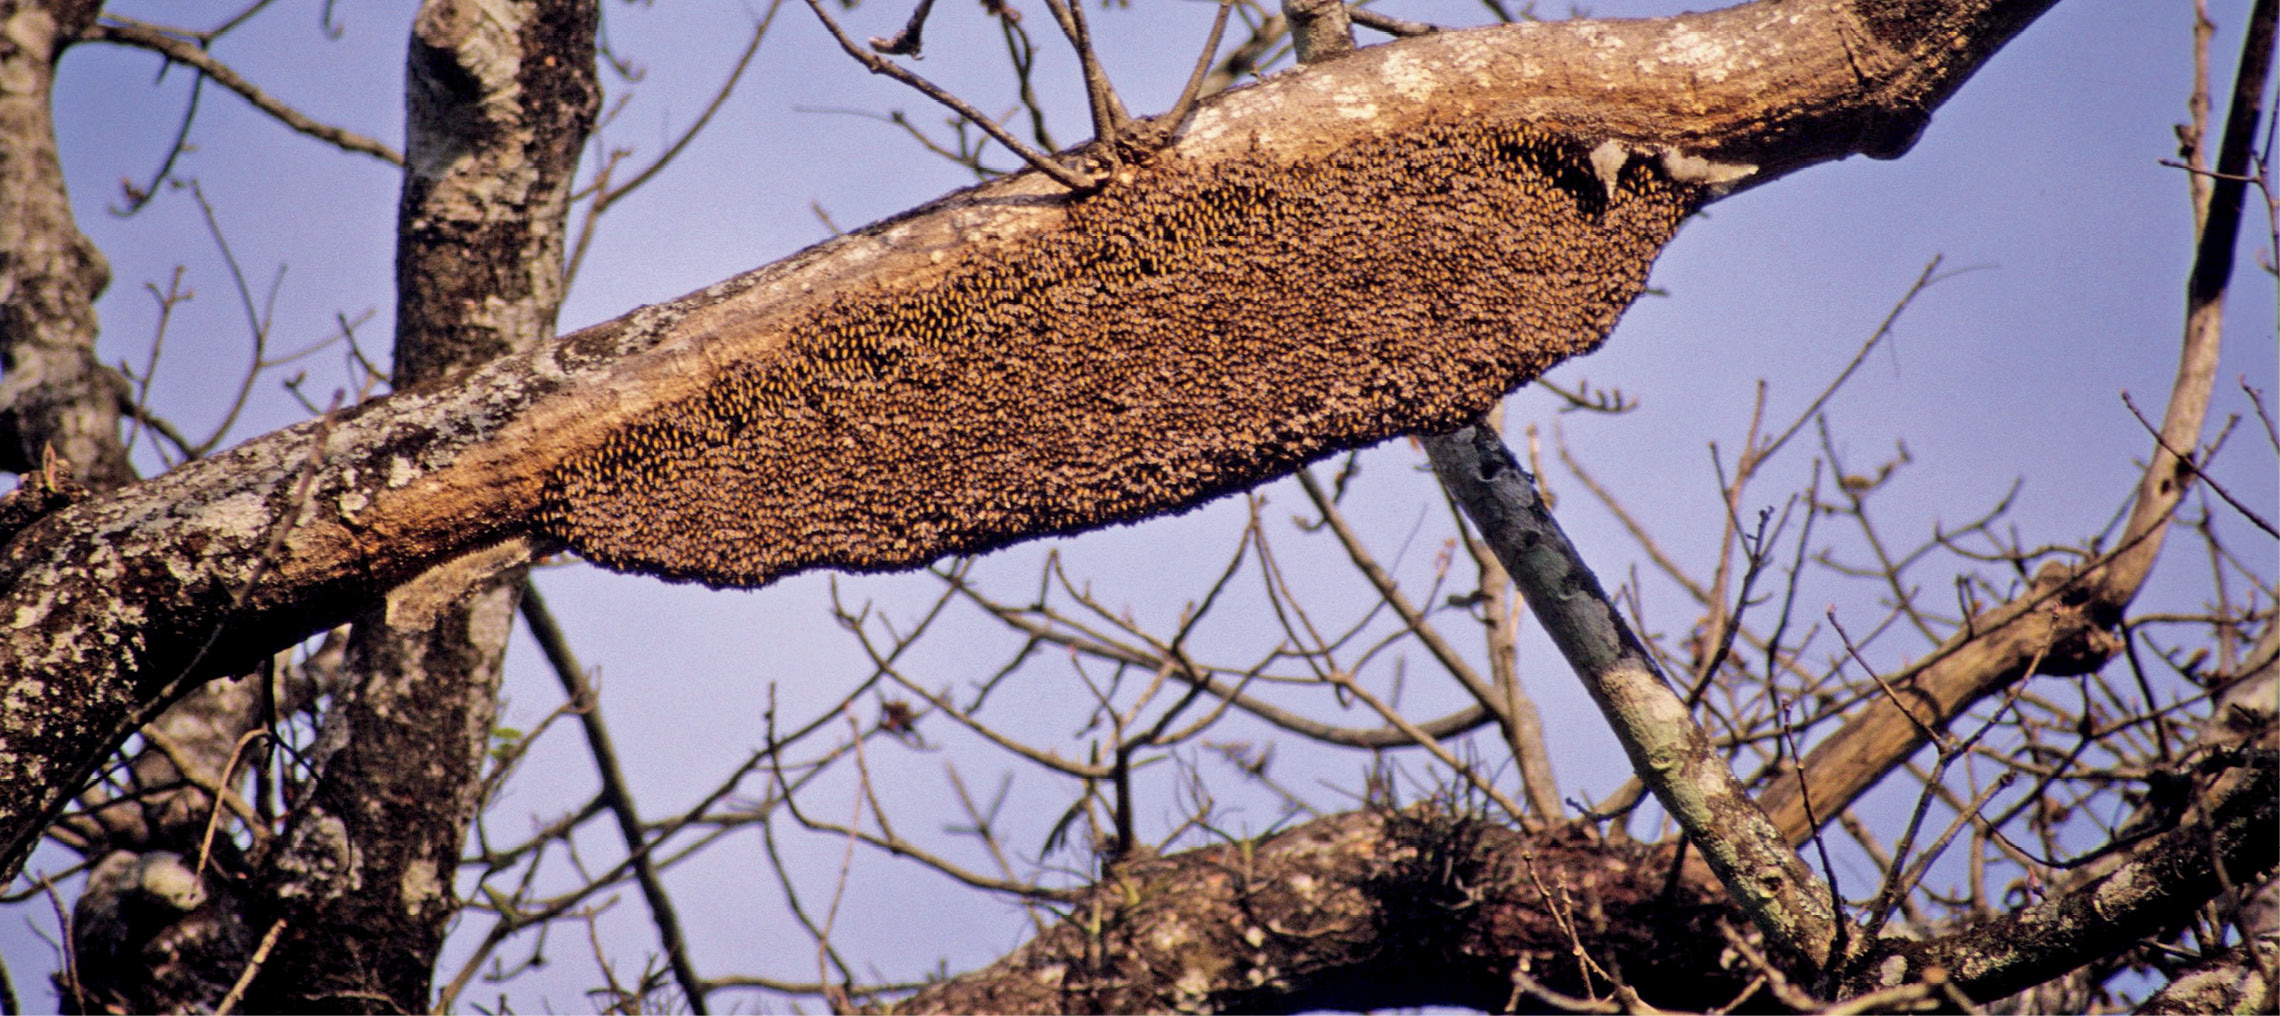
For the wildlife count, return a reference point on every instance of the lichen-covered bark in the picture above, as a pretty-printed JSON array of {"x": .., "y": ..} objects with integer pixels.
[
  {"x": 118, "y": 602},
  {"x": 1423, "y": 906},
  {"x": 54, "y": 391},
  {"x": 1373, "y": 908},
  {"x": 2236, "y": 981},
  {"x": 148, "y": 932},
  {"x": 500, "y": 96}
]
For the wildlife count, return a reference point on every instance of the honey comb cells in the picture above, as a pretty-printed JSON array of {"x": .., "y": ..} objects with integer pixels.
[{"x": 1188, "y": 333}]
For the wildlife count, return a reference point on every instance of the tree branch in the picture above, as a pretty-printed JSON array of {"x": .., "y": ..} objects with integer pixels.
[
  {"x": 115, "y": 597},
  {"x": 1667, "y": 748},
  {"x": 127, "y": 32}
]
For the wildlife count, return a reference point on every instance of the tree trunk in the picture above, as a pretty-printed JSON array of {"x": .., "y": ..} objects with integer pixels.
[{"x": 501, "y": 98}]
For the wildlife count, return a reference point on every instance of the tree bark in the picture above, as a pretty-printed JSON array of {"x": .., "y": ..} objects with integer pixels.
[
  {"x": 1670, "y": 752},
  {"x": 1425, "y": 906},
  {"x": 55, "y": 393},
  {"x": 1372, "y": 908}
]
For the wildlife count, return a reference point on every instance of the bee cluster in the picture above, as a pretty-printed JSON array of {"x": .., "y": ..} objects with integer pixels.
[{"x": 1192, "y": 332}]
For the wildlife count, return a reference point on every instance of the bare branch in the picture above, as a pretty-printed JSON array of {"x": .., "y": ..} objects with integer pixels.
[{"x": 128, "y": 32}]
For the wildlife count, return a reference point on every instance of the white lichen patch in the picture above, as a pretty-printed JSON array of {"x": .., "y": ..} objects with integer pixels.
[
  {"x": 1192, "y": 985},
  {"x": 30, "y": 29},
  {"x": 419, "y": 886},
  {"x": 1893, "y": 971},
  {"x": 1204, "y": 127},
  {"x": 165, "y": 878},
  {"x": 321, "y": 860},
  {"x": 1598, "y": 37},
  {"x": 29, "y": 614},
  {"x": 1684, "y": 46},
  {"x": 1168, "y": 937},
  {"x": 401, "y": 471},
  {"x": 352, "y": 502},
  {"x": 24, "y": 695},
  {"x": 241, "y": 516}
]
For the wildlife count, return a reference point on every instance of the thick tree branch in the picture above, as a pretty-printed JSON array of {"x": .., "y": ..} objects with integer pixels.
[
  {"x": 2235, "y": 840},
  {"x": 1427, "y": 907},
  {"x": 123, "y": 602},
  {"x": 1359, "y": 911}
]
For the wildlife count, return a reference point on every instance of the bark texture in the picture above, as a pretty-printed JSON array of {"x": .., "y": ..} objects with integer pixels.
[
  {"x": 1668, "y": 750},
  {"x": 55, "y": 393},
  {"x": 1424, "y": 906},
  {"x": 1372, "y": 908}
]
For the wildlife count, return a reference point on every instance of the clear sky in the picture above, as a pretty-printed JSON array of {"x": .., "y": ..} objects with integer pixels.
[{"x": 2043, "y": 176}]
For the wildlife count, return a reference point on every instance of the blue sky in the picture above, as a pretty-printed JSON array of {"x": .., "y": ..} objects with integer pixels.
[{"x": 2042, "y": 176}]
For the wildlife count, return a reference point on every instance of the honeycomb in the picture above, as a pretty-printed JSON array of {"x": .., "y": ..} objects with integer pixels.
[{"x": 1188, "y": 332}]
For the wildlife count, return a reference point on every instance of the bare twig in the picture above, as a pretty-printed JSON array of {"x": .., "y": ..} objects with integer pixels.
[
  {"x": 252, "y": 968},
  {"x": 872, "y": 62},
  {"x": 911, "y": 39},
  {"x": 614, "y": 791},
  {"x": 605, "y": 195},
  {"x": 127, "y": 32}
]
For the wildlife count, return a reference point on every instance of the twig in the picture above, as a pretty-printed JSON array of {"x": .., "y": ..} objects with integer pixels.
[
  {"x": 614, "y": 791},
  {"x": 1193, "y": 90},
  {"x": 1108, "y": 115},
  {"x": 605, "y": 196},
  {"x": 875, "y": 64},
  {"x": 911, "y": 39},
  {"x": 126, "y": 32},
  {"x": 252, "y": 968},
  {"x": 1926, "y": 279},
  {"x": 1390, "y": 591},
  {"x": 138, "y": 196},
  {"x": 2186, "y": 461},
  {"x": 1389, "y": 24}
]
